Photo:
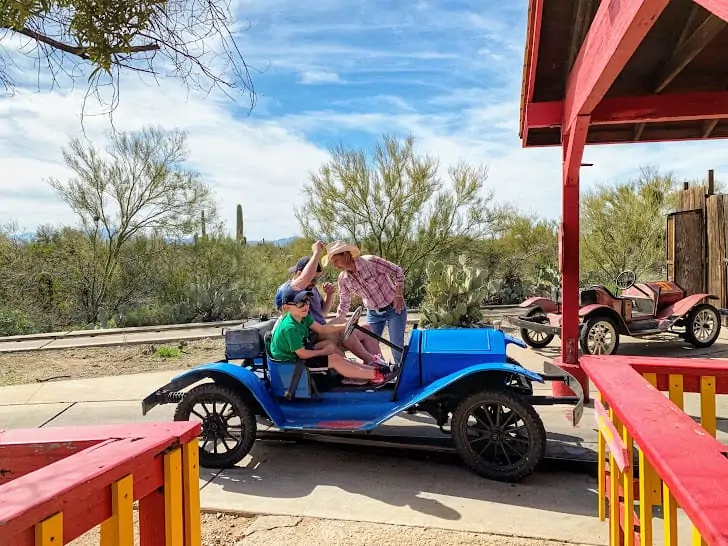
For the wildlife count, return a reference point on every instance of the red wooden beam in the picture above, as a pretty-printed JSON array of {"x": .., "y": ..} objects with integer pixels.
[
  {"x": 65, "y": 484},
  {"x": 650, "y": 109},
  {"x": 618, "y": 28},
  {"x": 534, "y": 39},
  {"x": 689, "y": 460},
  {"x": 716, "y": 7}
]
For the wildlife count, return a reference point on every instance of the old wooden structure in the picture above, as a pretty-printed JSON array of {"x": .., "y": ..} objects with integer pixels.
[
  {"x": 627, "y": 71},
  {"x": 696, "y": 237},
  {"x": 618, "y": 71}
]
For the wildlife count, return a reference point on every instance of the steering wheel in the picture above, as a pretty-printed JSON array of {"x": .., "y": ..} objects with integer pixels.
[
  {"x": 353, "y": 321},
  {"x": 626, "y": 279}
]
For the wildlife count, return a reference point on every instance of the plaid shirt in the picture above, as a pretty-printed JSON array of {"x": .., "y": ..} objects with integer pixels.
[{"x": 376, "y": 280}]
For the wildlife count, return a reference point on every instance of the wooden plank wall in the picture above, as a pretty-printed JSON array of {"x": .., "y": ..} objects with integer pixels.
[
  {"x": 685, "y": 239},
  {"x": 714, "y": 239},
  {"x": 715, "y": 216}
]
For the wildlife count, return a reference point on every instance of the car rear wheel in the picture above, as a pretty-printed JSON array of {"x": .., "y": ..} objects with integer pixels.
[
  {"x": 532, "y": 338},
  {"x": 702, "y": 325},
  {"x": 228, "y": 424},
  {"x": 599, "y": 336},
  {"x": 499, "y": 435}
]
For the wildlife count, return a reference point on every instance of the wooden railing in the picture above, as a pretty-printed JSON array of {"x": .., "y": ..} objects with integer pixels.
[
  {"x": 681, "y": 463},
  {"x": 58, "y": 483}
]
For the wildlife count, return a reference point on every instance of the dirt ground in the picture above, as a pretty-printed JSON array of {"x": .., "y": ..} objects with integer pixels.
[
  {"x": 86, "y": 362},
  {"x": 230, "y": 530}
]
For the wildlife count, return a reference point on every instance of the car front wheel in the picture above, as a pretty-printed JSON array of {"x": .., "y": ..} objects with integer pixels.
[
  {"x": 599, "y": 336},
  {"x": 229, "y": 426}
]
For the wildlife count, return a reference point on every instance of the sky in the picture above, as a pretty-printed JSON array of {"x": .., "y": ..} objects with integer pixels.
[{"x": 447, "y": 72}]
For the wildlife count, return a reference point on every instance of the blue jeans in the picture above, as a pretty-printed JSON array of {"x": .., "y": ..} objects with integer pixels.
[{"x": 395, "y": 322}]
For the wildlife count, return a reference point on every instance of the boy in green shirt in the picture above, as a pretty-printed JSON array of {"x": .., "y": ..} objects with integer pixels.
[{"x": 288, "y": 343}]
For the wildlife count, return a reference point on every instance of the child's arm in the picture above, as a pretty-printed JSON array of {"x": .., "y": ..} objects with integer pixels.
[
  {"x": 327, "y": 328},
  {"x": 304, "y": 353}
]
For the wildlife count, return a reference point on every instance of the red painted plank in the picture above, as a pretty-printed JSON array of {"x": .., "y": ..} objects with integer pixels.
[
  {"x": 534, "y": 38},
  {"x": 61, "y": 485},
  {"x": 650, "y": 109},
  {"x": 718, "y": 8},
  {"x": 152, "y": 519},
  {"x": 184, "y": 431},
  {"x": 618, "y": 28},
  {"x": 18, "y": 460},
  {"x": 689, "y": 460},
  {"x": 87, "y": 512},
  {"x": 573, "y": 154}
]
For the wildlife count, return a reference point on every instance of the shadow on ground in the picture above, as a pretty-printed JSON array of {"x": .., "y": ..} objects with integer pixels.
[{"x": 402, "y": 479}]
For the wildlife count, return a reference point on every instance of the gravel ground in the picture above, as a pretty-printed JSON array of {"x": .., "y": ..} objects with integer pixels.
[{"x": 230, "y": 530}]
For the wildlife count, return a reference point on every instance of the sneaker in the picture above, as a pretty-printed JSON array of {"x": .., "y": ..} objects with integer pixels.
[
  {"x": 379, "y": 361},
  {"x": 382, "y": 378}
]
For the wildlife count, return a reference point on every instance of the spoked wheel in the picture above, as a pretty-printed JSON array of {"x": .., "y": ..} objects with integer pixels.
[
  {"x": 532, "y": 338},
  {"x": 599, "y": 336},
  {"x": 498, "y": 435},
  {"x": 228, "y": 424},
  {"x": 702, "y": 325}
]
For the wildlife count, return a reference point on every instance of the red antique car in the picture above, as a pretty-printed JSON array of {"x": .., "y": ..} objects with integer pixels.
[{"x": 639, "y": 310}]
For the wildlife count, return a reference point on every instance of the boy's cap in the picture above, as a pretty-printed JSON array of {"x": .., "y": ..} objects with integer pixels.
[
  {"x": 301, "y": 263},
  {"x": 291, "y": 295}
]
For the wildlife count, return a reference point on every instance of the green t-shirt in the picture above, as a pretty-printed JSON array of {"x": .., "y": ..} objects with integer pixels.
[{"x": 289, "y": 336}]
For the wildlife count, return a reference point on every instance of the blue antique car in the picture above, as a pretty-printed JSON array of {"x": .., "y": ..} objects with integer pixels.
[{"x": 460, "y": 375}]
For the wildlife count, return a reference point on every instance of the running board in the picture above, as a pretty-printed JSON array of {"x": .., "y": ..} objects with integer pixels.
[{"x": 534, "y": 326}]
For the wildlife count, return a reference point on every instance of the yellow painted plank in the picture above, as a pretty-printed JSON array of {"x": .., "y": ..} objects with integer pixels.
[
  {"x": 669, "y": 514},
  {"x": 676, "y": 390},
  {"x": 628, "y": 483},
  {"x": 646, "y": 495},
  {"x": 49, "y": 532},
  {"x": 697, "y": 539},
  {"x": 601, "y": 471},
  {"x": 614, "y": 478},
  {"x": 191, "y": 487},
  {"x": 707, "y": 405},
  {"x": 173, "y": 498}
]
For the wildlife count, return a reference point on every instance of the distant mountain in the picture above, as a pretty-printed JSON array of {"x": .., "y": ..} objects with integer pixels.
[{"x": 278, "y": 242}]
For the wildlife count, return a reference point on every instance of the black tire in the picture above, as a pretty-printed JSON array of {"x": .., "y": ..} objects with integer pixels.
[
  {"x": 216, "y": 427},
  {"x": 693, "y": 321},
  {"x": 538, "y": 342},
  {"x": 488, "y": 462},
  {"x": 605, "y": 322}
]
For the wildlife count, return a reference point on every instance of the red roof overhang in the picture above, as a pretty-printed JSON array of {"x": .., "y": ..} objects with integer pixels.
[{"x": 643, "y": 70}]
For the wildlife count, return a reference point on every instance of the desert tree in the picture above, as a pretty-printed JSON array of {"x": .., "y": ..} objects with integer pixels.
[
  {"x": 138, "y": 187},
  {"x": 189, "y": 39},
  {"x": 623, "y": 225},
  {"x": 394, "y": 203}
]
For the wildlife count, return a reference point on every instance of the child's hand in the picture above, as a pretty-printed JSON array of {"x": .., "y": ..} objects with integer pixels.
[{"x": 327, "y": 350}]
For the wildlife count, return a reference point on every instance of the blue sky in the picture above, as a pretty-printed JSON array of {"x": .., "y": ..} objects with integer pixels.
[{"x": 325, "y": 72}]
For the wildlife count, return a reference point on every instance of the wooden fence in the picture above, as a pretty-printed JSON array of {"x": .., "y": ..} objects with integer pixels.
[
  {"x": 681, "y": 464},
  {"x": 57, "y": 483}
]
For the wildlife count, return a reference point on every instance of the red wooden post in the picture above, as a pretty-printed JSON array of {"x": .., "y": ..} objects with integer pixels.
[
  {"x": 614, "y": 35},
  {"x": 574, "y": 144}
]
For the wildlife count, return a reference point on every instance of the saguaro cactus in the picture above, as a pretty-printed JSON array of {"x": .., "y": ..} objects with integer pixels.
[{"x": 239, "y": 232}]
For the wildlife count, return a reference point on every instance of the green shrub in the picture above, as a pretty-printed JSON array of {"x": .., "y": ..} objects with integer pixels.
[{"x": 14, "y": 322}]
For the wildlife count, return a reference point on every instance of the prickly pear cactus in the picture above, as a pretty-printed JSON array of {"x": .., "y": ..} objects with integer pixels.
[{"x": 453, "y": 295}]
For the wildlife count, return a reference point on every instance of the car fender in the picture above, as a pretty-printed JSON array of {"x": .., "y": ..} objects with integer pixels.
[
  {"x": 593, "y": 309},
  {"x": 683, "y": 307},
  {"x": 228, "y": 374},
  {"x": 547, "y": 305},
  {"x": 510, "y": 340},
  {"x": 436, "y": 386}
]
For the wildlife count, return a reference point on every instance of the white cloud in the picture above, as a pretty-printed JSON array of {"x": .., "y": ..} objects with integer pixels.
[
  {"x": 310, "y": 77},
  {"x": 452, "y": 79},
  {"x": 258, "y": 164}
]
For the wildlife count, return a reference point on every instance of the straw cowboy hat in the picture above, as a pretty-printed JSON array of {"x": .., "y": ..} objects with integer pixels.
[{"x": 337, "y": 247}]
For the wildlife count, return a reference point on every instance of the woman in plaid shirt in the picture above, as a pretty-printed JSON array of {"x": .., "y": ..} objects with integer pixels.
[{"x": 378, "y": 282}]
